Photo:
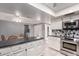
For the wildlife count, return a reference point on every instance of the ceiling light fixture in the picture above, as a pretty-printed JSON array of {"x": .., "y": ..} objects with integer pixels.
[
  {"x": 17, "y": 13},
  {"x": 16, "y": 19},
  {"x": 38, "y": 19},
  {"x": 72, "y": 21}
]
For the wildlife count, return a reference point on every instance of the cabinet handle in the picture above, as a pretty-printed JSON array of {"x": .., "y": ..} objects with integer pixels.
[{"x": 25, "y": 49}]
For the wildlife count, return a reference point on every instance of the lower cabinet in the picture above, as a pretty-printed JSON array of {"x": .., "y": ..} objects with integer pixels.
[
  {"x": 37, "y": 49},
  {"x": 19, "y": 53},
  {"x": 17, "y": 50},
  {"x": 34, "y": 48},
  {"x": 54, "y": 42},
  {"x": 4, "y": 51}
]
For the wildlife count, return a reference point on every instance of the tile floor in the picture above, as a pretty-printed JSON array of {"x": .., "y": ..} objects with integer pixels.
[
  {"x": 48, "y": 51},
  {"x": 51, "y": 52}
]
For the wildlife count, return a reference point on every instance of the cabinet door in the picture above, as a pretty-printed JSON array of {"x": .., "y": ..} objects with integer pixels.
[
  {"x": 56, "y": 25},
  {"x": 54, "y": 43},
  {"x": 17, "y": 50},
  {"x": 37, "y": 49},
  {"x": 4, "y": 51},
  {"x": 22, "y": 53},
  {"x": 19, "y": 53}
]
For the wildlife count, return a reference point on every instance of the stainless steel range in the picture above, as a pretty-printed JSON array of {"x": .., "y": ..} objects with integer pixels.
[{"x": 70, "y": 41}]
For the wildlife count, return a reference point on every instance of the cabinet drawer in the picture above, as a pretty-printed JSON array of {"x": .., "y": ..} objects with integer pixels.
[
  {"x": 30, "y": 45},
  {"x": 36, "y": 51},
  {"x": 19, "y": 53},
  {"x": 34, "y": 44},
  {"x": 54, "y": 42},
  {"x": 4, "y": 51},
  {"x": 15, "y": 48}
]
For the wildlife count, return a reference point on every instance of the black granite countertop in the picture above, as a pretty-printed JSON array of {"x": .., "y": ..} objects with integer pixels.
[
  {"x": 16, "y": 42},
  {"x": 55, "y": 36}
]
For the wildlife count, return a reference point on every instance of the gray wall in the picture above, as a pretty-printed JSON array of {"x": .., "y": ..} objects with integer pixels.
[{"x": 9, "y": 28}]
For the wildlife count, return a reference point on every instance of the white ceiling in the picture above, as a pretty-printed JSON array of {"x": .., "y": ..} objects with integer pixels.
[
  {"x": 25, "y": 9},
  {"x": 32, "y": 15},
  {"x": 56, "y": 7},
  {"x": 29, "y": 11}
]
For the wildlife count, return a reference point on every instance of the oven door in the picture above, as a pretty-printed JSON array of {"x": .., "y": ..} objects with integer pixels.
[{"x": 70, "y": 46}]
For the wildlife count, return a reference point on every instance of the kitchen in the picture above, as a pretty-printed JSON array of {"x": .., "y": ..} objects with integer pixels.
[{"x": 39, "y": 29}]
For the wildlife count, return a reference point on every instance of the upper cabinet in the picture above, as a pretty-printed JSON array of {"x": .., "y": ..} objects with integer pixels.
[
  {"x": 56, "y": 24},
  {"x": 71, "y": 17},
  {"x": 38, "y": 30}
]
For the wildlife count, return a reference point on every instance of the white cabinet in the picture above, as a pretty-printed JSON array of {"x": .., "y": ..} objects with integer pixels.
[
  {"x": 4, "y": 51},
  {"x": 56, "y": 25},
  {"x": 15, "y": 50},
  {"x": 27, "y": 49},
  {"x": 38, "y": 31},
  {"x": 54, "y": 43},
  {"x": 37, "y": 49},
  {"x": 21, "y": 52},
  {"x": 32, "y": 51}
]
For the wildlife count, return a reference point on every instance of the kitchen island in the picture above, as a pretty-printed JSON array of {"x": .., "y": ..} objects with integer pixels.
[{"x": 22, "y": 47}]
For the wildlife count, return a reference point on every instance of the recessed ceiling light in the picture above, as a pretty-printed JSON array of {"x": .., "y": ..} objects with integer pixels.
[
  {"x": 18, "y": 13},
  {"x": 17, "y": 19},
  {"x": 38, "y": 19},
  {"x": 72, "y": 20}
]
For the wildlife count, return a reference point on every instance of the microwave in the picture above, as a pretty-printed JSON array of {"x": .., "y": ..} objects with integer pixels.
[{"x": 71, "y": 25}]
